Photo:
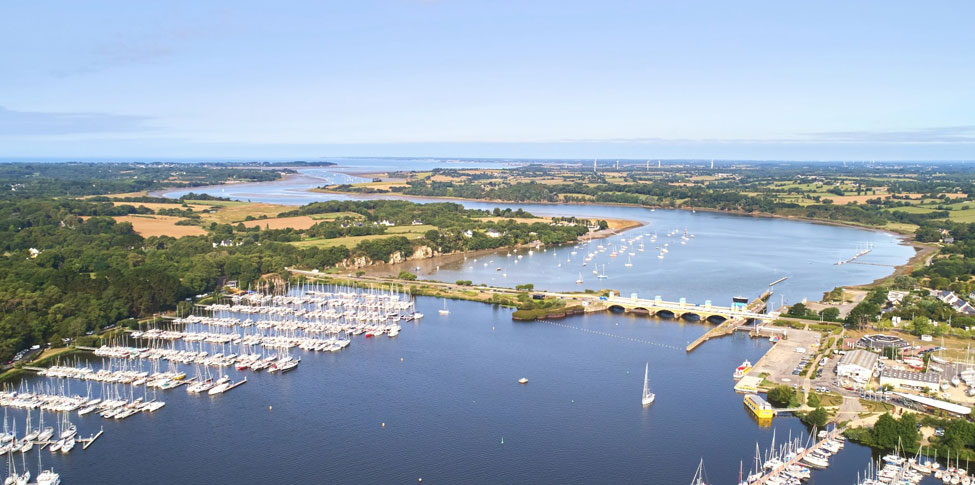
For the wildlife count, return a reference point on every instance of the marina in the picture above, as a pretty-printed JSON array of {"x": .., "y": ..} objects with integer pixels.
[
  {"x": 575, "y": 375},
  {"x": 693, "y": 275},
  {"x": 250, "y": 331}
]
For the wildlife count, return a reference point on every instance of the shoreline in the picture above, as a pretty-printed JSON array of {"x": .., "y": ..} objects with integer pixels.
[
  {"x": 922, "y": 250},
  {"x": 620, "y": 204},
  {"x": 387, "y": 270},
  {"x": 904, "y": 239}
]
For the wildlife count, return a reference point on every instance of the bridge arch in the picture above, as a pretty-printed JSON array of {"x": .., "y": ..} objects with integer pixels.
[
  {"x": 617, "y": 308},
  {"x": 666, "y": 314},
  {"x": 716, "y": 319},
  {"x": 691, "y": 317}
]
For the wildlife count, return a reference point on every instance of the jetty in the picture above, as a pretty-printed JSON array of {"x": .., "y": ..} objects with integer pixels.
[
  {"x": 773, "y": 475},
  {"x": 862, "y": 252},
  {"x": 731, "y": 325},
  {"x": 86, "y": 442}
]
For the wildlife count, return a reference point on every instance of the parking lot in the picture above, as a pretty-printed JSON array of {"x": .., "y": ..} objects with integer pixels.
[{"x": 782, "y": 360}]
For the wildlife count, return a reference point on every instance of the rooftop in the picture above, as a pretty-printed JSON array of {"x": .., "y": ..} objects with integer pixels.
[
  {"x": 861, "y": 358},
  {"x": 927, "y": 401},
  {"x": 906, "y": 375}
]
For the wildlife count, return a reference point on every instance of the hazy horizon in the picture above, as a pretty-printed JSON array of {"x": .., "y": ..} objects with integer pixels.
[{"x": 419, "y": 78}]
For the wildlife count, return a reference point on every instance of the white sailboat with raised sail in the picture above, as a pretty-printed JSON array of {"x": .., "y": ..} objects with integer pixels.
[
  {"x": 648, "y": 396},
  {"x": 444, "y": 310}
]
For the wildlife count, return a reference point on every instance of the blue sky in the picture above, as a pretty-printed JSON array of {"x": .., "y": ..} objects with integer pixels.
[{"x": 548, "y": 79}]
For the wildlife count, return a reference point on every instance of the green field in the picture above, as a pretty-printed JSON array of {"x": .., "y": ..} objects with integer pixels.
[
  {"x": 962, "y": 216},
  {"x": 410, "y": 232},
  {"x": 336, "y": 215}
]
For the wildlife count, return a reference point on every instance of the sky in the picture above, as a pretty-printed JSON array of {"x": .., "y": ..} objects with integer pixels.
[{"x": 885, "y": 80}]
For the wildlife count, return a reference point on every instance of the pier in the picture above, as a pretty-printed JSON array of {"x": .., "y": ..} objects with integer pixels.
[
  {"x": 731, "y": 325},
  {"x": 797, "y": 459},
  {"x": 862, "y": 252},
  {"x": 86, "y": 442}
]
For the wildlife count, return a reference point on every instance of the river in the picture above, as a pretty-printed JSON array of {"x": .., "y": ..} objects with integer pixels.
[{"x": 363, "y": 415}]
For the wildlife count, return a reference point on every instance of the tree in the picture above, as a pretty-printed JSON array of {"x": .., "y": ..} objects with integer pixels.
[
  {"x": 798, "y": 310},
  {"x": 817, "y": 417},
  {"x": 782, "y": 396},
  {"x": 831, "y": 314},
  {"x": 907, "y": 430},
  {"x": 885, "y": 431},
  {"x": 406, "y": 275},
  {"x": 813, "y": 400}
]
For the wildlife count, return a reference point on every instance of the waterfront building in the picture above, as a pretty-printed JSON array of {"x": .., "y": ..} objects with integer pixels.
[
  {"x": 759, "y": 407},
  {"x": 857, "y": 365},
  {"x": 909, "y": 379}
]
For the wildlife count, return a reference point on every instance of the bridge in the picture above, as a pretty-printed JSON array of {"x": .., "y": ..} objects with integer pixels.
[
  {"x": 690, "y": 311},
  {"x": 730, "y": 318}
]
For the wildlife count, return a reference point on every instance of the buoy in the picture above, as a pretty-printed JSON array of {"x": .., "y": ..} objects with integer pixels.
[
  {"x": 270, "y": 408},
  {"x": 384, "y": 424},
  {"x": 401, "y": 359}
]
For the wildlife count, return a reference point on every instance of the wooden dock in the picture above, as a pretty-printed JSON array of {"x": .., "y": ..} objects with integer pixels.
[
  {"x": 242, "y": 381},
  {"x": 86, "y": 442}
]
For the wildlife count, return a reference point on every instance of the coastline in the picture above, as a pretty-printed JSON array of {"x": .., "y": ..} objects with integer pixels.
[
  {"x": 922, "y": 251},
  {"x": 904, "y": 239},
  {"x": 391, "y": 269},
  {"x": 621, "y": 204}
]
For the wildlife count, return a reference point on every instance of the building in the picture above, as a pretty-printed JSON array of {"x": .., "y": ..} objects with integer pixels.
[
  {"x": 905, "y": 379},
  {"x": 748, "y": 384},
  {"x": 857, "y": 365},
  {"x": 879, "y": 342},
  {"x": 896, "y": 297},
  {"x": 956, "y": 303},
  {"x": 759, "y": 407},
  {"x": 937, "y": 405}
]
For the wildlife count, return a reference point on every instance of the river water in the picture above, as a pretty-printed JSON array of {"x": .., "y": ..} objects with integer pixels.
[{"x": 436, "y": 402}]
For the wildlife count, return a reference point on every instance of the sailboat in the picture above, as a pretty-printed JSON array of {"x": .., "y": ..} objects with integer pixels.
[
  {"x": 699, "y": 474},
  {"x": 629, "y": 263},
  {"x": 46, "y": 477},
  {"x": 444, "y": 310},
  {"x": 648, "y": 396},
  {"x": 603, "y": 276},
  {"x": 579, "y": 281}
]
